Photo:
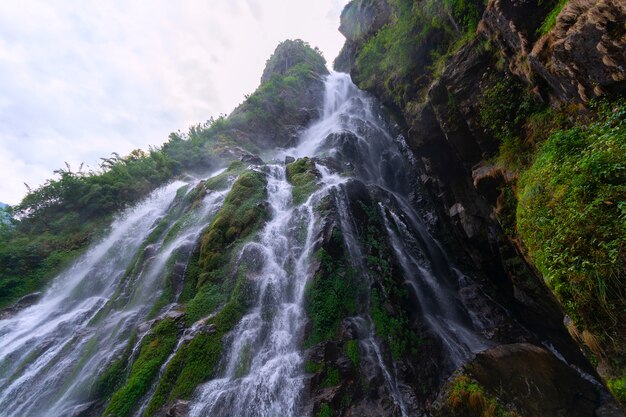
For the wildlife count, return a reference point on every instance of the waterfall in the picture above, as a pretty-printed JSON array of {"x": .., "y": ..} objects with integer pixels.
[
  {"x": 52, "y": 352},
  {"x": 266, "y": 341},
  {"x": 351, "y": 133}
]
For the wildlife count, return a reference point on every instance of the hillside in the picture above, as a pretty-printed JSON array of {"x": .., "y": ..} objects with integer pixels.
[{"x": 436, "y": 229}]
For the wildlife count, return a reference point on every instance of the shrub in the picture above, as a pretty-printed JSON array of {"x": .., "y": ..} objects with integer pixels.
[{"x": 571, "y": 217}]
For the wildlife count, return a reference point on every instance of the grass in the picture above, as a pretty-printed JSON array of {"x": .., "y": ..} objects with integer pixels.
[
  {"x": 468, "y": 397},
  {"x": 571, "y": 217},
  {"x": 550, "y": 20}
]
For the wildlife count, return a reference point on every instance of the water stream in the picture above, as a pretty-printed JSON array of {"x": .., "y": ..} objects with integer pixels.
[{"x": 52, "y": 352}]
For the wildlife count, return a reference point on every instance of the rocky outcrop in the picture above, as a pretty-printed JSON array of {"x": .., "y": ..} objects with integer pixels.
[
  {"x": 520, "y": 380},
  {"x": 581, "y": 57},
  {"x": 288, "y": 99},
  {"x": 359, "y": 20},
  {"x": 290, "y": 53},
  {"x": 584, "y": 56}
]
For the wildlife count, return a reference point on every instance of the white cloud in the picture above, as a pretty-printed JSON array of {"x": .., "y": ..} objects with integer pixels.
[{"x": 79, "y": 80}]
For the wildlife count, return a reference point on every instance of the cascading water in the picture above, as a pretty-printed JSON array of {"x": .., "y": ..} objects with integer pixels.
[
  {"x": 263, "y": 368},
  {"x": 268, "y": 338},
  {"x": 52, "y": 352}
]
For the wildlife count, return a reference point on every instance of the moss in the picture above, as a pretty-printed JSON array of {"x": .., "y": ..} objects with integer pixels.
[
  {"x": 223, "y": 180},
  {"x": 324, "y": 411},
  {"x": 393, "y": 329},
  {"x": 241, "y": 214},
  {"x": 330, "y": 296},
  {"x": 571, "y": 217},
  {"x": 154, "y": 350},
  {"x": 331, "y": 378},
  {"x": 618, "y": 388},
  {"x": 313, "y": 367},
  {"x": 303, "y": 176},
  {"x": 352, "y": 351},
  {"x": 391, "y": 323},
  {"x": 196, "y": 361}
]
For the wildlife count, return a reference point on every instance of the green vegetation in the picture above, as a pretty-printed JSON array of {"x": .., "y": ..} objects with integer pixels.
[
  {"x": 618, "y": 388},
  {"x": 352, "y": 351},
  {"x": 393, "y": 329},
  {"x": 550, "y": 20},
  {"x": 277, "y": 104},
  {"x": 303, "y": 176},
  {"x": 155, "y": 348},
  {"x": 197, "y": 360},
  {"x": 332, "y": 377},
  {"x": 417, "y": 36},
  {"x": 56, "y": 221},
  {"x": 571, "y": 217},
  {"x": 241, "y": 214},
  {"x": 387, "y": 298},
  {"x": 505, "y": 107},
  {"x": 324, "y": 411},
  {"x": 331, "y": 295},
  {"x": 468, "y": 397}
]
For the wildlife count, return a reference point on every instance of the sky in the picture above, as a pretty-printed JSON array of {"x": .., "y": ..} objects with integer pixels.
[{"x": 80, "y": 79}]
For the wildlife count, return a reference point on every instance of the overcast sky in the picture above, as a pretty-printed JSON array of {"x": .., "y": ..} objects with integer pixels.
[{"x": 80, "y": 79}]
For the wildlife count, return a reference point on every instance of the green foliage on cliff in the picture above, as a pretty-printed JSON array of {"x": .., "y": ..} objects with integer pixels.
[
  {"x": 196, "y": 361},
  {"x": 550, "y": 20},
  {"x": 419, "y": 32},
  {"x": 571, "y": 217},
  {"x": 155, "y": 349},
  {"x": 331, "y": 295},
  {"x": 302, "y": 175},
  {"x": 241, "y": 214},
  {"x": 505, "y": 107}
]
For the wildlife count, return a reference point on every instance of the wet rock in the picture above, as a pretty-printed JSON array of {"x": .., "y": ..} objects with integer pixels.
[
  {"x": 289, "y": 160},
  {"x": 179, "y": 409},
  {"x": 251, "y": 159},
  {"x": 528, "y": 380},
  {"x": 22, "y": 303}
]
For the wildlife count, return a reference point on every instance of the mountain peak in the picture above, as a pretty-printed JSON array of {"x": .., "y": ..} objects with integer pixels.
[{"x": 290, "y": 53}]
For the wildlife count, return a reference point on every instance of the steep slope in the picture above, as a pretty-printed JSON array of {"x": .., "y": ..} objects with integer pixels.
[
  {"x": 321, "y": 252},
  {"x": 486, "y": 95}
]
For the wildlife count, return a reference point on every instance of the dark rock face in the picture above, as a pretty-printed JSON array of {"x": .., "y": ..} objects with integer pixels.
[
  {"x": 529, "y": 381},
  {"x": 585, "y": 55},
  {"x": 363, "y": 18},
  {"x": 582, "y": 57},
  {"x": 537, "y": 382},
  {"x": 359, "y": 20}
]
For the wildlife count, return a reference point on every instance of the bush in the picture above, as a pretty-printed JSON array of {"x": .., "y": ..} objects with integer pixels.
[{"x": 571, "y": 217}]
